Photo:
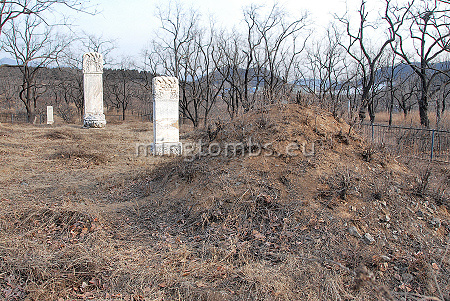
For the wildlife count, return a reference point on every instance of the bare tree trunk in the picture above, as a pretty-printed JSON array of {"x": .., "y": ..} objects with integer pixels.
[
  {"x": 391, "y": 108},
  {"x": 371, "y": 112},
  {"x": 423, "y": 105}
]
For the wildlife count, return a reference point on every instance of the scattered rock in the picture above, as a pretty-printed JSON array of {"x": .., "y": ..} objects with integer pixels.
[
  {"x": 368, "y": 239},
  {"x": 435, "y": 223},
  {"x": 407, "y": 277},
  {"x": 354, "y": 232},
  {"x": 446, "y": 225},
  {"x": 385, "y": 258},
  {"x": 385, "y": 218}
]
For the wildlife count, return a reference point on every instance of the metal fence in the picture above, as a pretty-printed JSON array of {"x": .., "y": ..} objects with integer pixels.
[
  {"x": 21, "y": 118},
  {"x": 428, "y": 144}
]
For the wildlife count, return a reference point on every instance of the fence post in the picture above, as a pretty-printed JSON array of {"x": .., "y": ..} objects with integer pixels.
[
  {"x": 12, "y": 118},
  {"x": 432, "y": 144},
  {"x": 372, "y": 132}
]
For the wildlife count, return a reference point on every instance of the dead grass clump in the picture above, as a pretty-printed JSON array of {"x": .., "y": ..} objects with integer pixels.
[
  {"x": 432, "y": 181},
  {"x": 74, "y": 154},
  {"x": 60, "y": 134},
  {"x": 188, "y": 171},
  {"x": 50, "y": 253},
  {"x": 422, "y": 182},
  {"x": 340, "y": 185},
  {"x": 65, "y": 224},
  {"x": 178, "y": 169},
  {"x": 5, "y": 131},
  {"x": 43, "y": 273},
  {"x": 368, "y": 153},
  {"x": 141, "y": 130},
  {"x": 213, "y": 131}
]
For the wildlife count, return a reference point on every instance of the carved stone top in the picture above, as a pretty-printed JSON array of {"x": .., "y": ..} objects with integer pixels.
[
  {"x": 165, "y": 88},
  {"x": 165, "y": 81},
  {"x": 92, "y": 62}
]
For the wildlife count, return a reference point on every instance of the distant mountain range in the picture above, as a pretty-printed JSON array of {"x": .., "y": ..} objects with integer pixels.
[
  {"x": 403, "y": 70},
  {"x": 7, "y": 61}
]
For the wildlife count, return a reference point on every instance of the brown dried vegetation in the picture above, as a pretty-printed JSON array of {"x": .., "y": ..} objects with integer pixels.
[{"x": 82, "y": 217}]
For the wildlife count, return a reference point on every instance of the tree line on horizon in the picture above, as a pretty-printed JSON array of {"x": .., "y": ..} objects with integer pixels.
[{"x": 392, "y": 60}]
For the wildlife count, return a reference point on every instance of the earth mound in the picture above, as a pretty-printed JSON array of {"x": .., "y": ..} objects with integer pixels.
[{"x": 294, "y": 202}]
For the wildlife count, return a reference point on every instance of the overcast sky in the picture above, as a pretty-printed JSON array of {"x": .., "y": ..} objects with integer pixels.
[{"x": 132, "y": 23}]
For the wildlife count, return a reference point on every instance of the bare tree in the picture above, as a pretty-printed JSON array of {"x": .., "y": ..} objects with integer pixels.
[
  {"x": 327, "y": 72},
  {"x": 120, "y": 87},
  {"x": 366, "y": 56},
  {"x": 211, "y": 82},
  {"x": 13, "y": 9},
  {"x": 70, "y": 83},
  {"x": 228, "y": 60},
  {"x": 9, "y": 85},
  {"x": 171, "y": 53},
  {"x": 407, "y": 95},
  {"x": 69, "y": 87},
  {"x": 63, "y": 95},
  {"x": 272, "y": 47},
  {"x": 427, "y": 32},
  {"x": 251, "y": 66},
  {"x": 93, "y": 43},
  {"x": 280, "y": 48},
  {"x": 439, "y": 89},
  {"x": 34, "y": 45}
]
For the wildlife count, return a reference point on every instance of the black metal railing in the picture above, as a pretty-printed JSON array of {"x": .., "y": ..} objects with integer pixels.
[{"x": 429, "y": 144}]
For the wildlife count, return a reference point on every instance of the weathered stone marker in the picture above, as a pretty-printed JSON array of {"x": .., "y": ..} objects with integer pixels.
[
  {"x": 166, "y": 134},
  {"x": 50, "y": 115},
  {"x": 93, "y": 90}
]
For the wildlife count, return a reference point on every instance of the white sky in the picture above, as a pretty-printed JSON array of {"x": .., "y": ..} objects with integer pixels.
[{"x": 132, "y": 22}]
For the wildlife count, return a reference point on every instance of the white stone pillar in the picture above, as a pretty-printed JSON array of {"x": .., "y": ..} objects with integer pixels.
[
  {"x": 50, "y": 115},
  {"x": 93, "y": 90},
  {"x": 166, "y": 134}
]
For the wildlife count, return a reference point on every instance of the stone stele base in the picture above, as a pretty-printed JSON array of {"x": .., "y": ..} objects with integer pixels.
[
  {"x": 94, "y": 121},
  {"x": 166, "y": 148}
]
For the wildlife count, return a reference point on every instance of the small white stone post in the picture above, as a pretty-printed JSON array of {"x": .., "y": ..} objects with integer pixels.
[
  {"x": 93, "y": 90},
  {"x": 166, "y": 134},
  {"x": 50, "y": 115}
]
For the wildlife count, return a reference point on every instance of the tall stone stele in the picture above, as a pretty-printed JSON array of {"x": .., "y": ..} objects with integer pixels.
[
  {"x": 50, "y": 115},
  {"x": 93, "y": 90},
  {"x": 166, "y": 134}
]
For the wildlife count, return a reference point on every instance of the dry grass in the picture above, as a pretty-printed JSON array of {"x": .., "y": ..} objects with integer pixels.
[
  {"x": 413, "y": 119},
  {"x": 82, "y": 217}
]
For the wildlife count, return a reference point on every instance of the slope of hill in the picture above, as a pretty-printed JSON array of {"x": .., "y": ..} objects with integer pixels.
[{"x": 347, "y": 217}]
